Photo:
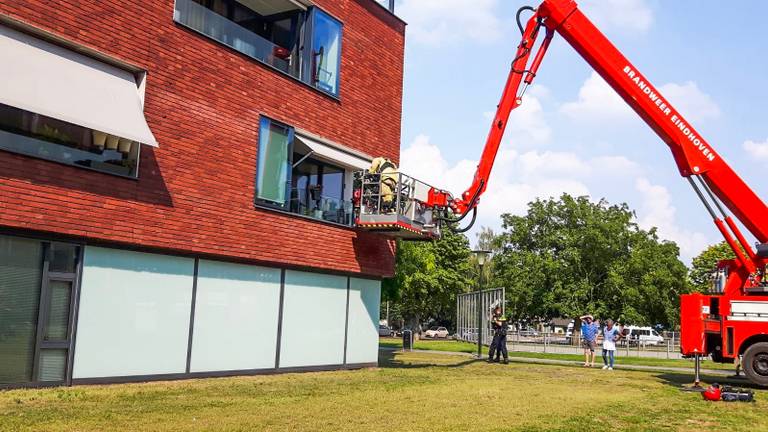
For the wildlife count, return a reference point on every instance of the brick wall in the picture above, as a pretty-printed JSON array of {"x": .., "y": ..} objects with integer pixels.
[{"x": 195, "y": 193}]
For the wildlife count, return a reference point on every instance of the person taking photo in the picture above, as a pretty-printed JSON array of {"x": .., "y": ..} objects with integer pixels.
[{"x": 589, "y": 330}]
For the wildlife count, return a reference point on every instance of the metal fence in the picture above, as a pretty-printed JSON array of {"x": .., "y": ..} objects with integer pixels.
[
  {"x": 561, "y": 343},
  {"x": 474, "y": 308}
]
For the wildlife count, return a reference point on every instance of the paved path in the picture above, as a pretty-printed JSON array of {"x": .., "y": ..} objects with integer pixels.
[{"x": 512, "y": 358}]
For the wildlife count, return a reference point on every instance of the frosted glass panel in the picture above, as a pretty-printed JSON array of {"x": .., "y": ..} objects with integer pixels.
[
  {"x": 314, "y": 311},
  {"x": 363, "y": 333},
  {"x": 134, "y": 314},
  {"x": 235, "y": 317}
]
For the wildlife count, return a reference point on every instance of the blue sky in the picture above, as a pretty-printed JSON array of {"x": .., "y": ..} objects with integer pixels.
[{"x": 573, "y": 134}]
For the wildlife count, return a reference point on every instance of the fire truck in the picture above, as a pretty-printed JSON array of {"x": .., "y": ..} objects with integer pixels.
[{"x": 728, "y": 323}]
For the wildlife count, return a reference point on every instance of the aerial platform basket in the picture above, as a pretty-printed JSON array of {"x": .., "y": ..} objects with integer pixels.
[{"x": 394, "y": 204}]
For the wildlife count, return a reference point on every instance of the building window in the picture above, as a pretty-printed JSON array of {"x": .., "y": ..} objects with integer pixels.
[
  {"x": 326, "y": 52},
  {"x": 52, "y": 139},
  {"x": 317, "y": 190},
  {"x": 273, "y": 174},
  {"x": 304, "y": 43},
  {"x": 290, "y": 177},
  {"x": 37, "y": 286}
]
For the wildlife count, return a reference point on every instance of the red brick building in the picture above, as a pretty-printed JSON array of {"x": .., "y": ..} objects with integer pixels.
[{"x": 175, "y": 179}]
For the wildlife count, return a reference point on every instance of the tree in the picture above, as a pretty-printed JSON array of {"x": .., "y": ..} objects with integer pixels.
[
  {"x": 703, "y": 265},
  {"x": 428, "y": 276},
  {"x": 486, "y": 240},
  {"x": 570, "y": 256}
]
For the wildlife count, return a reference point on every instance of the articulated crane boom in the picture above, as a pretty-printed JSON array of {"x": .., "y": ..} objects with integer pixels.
[{"x": 731, "y": 321}]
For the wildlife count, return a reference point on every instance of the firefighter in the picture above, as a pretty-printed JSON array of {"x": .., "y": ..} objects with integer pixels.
[
  {"x": 388, "y": 181},
  {"x": 499, "y": 343}
]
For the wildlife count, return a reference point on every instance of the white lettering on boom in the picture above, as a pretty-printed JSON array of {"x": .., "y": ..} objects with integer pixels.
[{"x": 665, "y": 109}]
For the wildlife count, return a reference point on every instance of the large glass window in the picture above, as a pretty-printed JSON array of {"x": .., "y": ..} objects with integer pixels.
[
  {"x": 363, "y": 321},
  {"x": 274, "y": 32},
  {"x": 21, "y": 262},
  {"x": 236, "y": 306},
  {"x": 133, "y": 315},
  {"x": 273, "y": 174},
  {"x": 267, "y": 30},
  {"x": 291, "y": 178},
  {"x": 326, "y": 51},
  {"x": 317, "y": 190},
  {"x": 35, "y": 309},
  {"x": 48, "y": 138},
  {"x": 323, "y": 298}
]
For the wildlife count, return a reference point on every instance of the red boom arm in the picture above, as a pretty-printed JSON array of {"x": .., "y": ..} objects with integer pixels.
[{"x": 694, "y": 156}]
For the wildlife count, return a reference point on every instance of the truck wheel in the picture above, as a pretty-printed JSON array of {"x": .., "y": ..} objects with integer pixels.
[{"x": 755, "y": 363}]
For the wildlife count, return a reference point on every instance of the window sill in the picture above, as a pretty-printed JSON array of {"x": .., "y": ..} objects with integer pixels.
[
  {"x": 267, "y": 207},
  {"x": 335, "y": 98}
]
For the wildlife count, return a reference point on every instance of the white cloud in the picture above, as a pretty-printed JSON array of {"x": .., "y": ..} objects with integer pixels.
[
  {"x": 690, "y": 101},
  {"x": 527, "y": 126},
  {"x": 517, "y": 178},
  {"x": 629, "y": 16},
  {"x": 598, "y": 102},
  {"x": 657, "y": 211},
  {"x": 437, "y": 22},
  {"x": 758, "y": 150}
]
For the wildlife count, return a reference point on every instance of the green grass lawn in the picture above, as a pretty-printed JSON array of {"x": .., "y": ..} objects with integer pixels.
[
  {"x": 464, "y": 347},
  {"x": 409, "y": 392}
]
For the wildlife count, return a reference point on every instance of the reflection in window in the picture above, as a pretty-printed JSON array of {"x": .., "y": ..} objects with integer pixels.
[
  {"x": 278, "y": 33},
  {"x": 267, "y": 30},
  {"x": 48, "y": 138},
  {"x": 289, "y": 178},
  {"x": 21, "y": 267},
  {"x": 274, "y": 162},
  {"x": 326, "y": 51},
  {"x": 318, "y": 191}
]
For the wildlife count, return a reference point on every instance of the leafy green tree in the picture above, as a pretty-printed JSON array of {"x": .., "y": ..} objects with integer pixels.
[
  {"x": 427, "y": 278},
  {"x": 703, "y": 265},
  {"x": 568, "y": 257},
  {"x": 486, "y": 240}
]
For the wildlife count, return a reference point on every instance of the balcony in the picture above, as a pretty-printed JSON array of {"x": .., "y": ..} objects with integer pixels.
[
  {"x": 304, "y": 43},
  {"x": 311, "y": 203},
  {"x": 203, "y": 20}
]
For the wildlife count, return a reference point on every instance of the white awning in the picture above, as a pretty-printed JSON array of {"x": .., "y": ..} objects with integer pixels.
[
  {"x": 46, "y": 79},
  {"x": 333, "y": 154}
]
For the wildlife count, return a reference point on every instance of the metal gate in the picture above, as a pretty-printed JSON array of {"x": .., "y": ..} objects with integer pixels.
[{"x": 477, "y": 307}]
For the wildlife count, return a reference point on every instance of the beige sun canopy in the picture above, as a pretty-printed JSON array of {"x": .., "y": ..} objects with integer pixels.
[
  {"x": 333, "y": 153},
  {"x": 46, "y": 79}
]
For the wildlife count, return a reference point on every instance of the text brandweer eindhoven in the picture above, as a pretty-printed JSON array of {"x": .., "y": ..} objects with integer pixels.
[{"x": 667, "y": 110}]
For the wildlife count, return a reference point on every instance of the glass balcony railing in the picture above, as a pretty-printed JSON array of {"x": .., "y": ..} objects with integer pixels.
[
  {"x": 219, "y": 28},
  {"x": 327, "y": 209}
]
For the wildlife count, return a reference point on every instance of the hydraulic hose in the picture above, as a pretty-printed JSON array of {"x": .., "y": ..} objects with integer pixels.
[{"x": 519, "y": 14}]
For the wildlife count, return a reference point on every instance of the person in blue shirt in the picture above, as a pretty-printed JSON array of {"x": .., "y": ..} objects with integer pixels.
[
  {"x": 611, "y": 334},
  {"x": 589, "y": 330}
]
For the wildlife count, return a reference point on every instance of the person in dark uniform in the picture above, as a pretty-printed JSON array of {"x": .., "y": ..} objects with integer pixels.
[{"x": 499, "y": 344}]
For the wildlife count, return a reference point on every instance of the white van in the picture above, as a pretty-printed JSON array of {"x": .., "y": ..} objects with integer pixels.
[{"x": 644, "y": 335}]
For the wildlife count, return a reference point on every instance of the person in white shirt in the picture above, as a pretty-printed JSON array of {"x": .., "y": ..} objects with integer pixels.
[{"x": 611, "y": 334}]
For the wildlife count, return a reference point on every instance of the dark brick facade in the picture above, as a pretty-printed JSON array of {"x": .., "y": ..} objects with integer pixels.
[{"x": 203, "y": 101}]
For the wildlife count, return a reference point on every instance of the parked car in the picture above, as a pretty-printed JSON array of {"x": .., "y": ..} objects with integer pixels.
[
  {"x": 643, "y": 335},
  {"x": 437, "y": 332},
  {"x": 385, "y": 331}
]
